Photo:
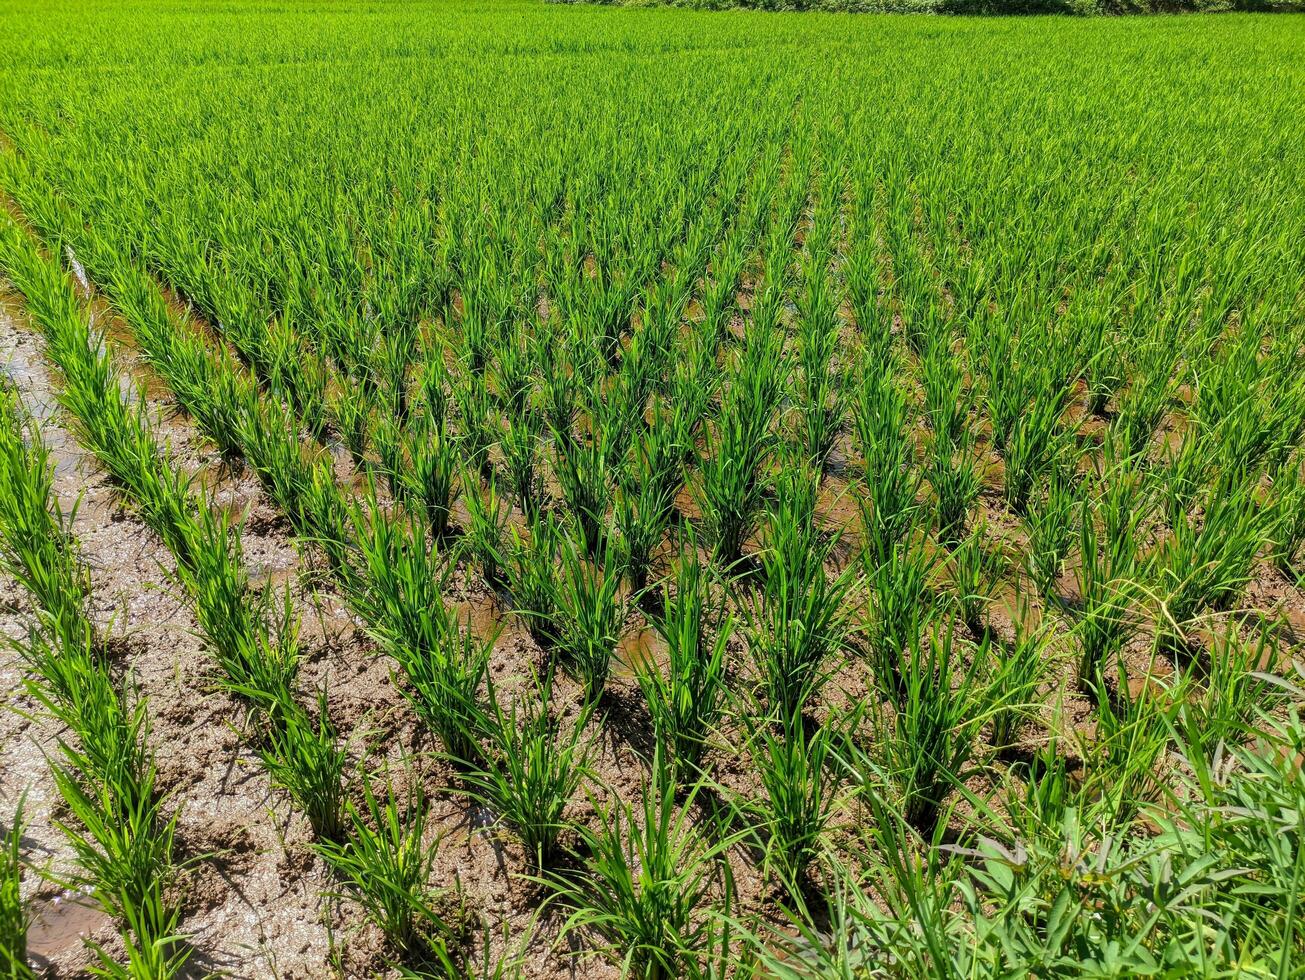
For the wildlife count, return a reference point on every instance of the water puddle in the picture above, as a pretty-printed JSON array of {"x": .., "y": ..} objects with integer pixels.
[
  {"x": 62, "y": 923},
  {"x": 23, "y": 366},
  {"x": 637, "y": 651}
]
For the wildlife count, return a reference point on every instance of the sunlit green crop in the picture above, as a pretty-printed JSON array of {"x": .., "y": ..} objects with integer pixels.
[{"x": 883, "y": 437}]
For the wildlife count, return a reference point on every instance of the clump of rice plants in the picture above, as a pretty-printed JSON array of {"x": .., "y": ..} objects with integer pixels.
[
  {"x": 534, "y": 764},
  {"x": 387, "y": 857},
  {"x": 687, "y": 701},
  {"x": 797, "y": 619},
  {"x": 647, "y": 884},
  {"x": 926, "y": 742},
  {"x": 796, "y": 764}
]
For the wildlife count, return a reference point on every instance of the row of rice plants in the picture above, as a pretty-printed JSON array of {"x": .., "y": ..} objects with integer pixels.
[{"x": 121, "y": 827}]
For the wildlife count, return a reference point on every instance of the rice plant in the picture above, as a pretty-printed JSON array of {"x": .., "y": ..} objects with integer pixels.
[
  {"x": 590, "y": 609},
  {"x": 534, "y": 763},
  {"x": 731, "y": 481},
  {"x": 647, "y": 886},
  {"x": 443, "y": 663},
  {"x": 1020, "y": 670},
  {"x": 955, "y": 483},
  {"x": 1108, "y": 572},
  {"x": 304, "y": 757},
  {"x": 14, "y": 919},
  {"x": 900, "y": 604},
  {"x": 388, "y": 857},
  {"x": 977, "y": 569},
  {"x": 892, "y": 481},
  {"x": 687, "y": 701},
  {"x": 1050, "y": 528},
  {"x": 797, "y": 619},
  {"x": 926, "y": 745},
  {"x": 795, "y": 763}
]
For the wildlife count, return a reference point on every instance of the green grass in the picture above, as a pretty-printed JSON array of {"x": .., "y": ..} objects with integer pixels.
[{"x": 929, "y": 388}]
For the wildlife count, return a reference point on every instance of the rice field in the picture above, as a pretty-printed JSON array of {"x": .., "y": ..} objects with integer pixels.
[{"x": 515, "y": 490}]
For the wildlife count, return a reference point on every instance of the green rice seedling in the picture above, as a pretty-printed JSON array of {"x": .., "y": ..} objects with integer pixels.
[
  {"x": 558, "y": 382},
  {"x": 947, "y": 400},
  {"x": 123, "y": 843},
  {"x": 801, "y": 784},
  {"x": 1184, "y": 473},
  {"x": 996, "y": 345},
  {"x": 478, "y": 425},
  {"x": 647, "y": 883},
  {"x": 586, "y": 478},
  {"x": 1143, "y": 403},
  {"x": 512, "y": 377},
  {"x": 976, "y": 571},
  {"x": 14, "y": 919},
  {"x": 521, "y": 445},
  {"x": 955, "y": 482},
  {"x": 886, "y": 912},
  {"x": 642, "y": 509},
  {"x": 434, "y": 457},
  {"x": 387, "y": 858},
  {"x": 535, "y": 763},
  {"x": 900, "y": 605},
  {"x": 1108, "y": 572},
  {"x": 1099, "y": 343},
  {"x": 1207, "y": 566},
  {"x": 892, "y": 482},
  {"x": 477, "y": 325},
  {"x": 1235, "y": 411},
  {"x": 590, "y": 610},
  {"x": 664, "y": 448},
  {"x": 405, "y": 610},
  {"x": 350, "y": 410},
  {"x": 532, "y": 577},
  {"x": 38, "y": 549},
  {"x": 820, "y": 389},
  {"x": 731, "y": 483},
  {"x": 1131, "y": 739},
  {"x": 1019, "y": 670},
  {"x": 1050, "y": 528},
  {"x": 1289, "y": 495},
  {"x": 304, "y": 757},
  {"x": 394, "y": 357},
  {"x": 447, "y": 680},
  {"x": 257, "y": 650},
  {"x": 1227, "y": 694},
  {"x": 388, "y": 440},
  {"x": 688, "y": 700},
  {"x": 487, "y": 525},
  {"x": 433, "y": 382},
  {"x": 798, "y": 618},
  {"x": 927, "y": 745},
  {"x": 1035, "y": 444}
]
